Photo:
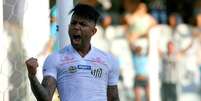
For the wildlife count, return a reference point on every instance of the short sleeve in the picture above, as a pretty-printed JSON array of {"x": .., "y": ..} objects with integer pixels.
[
  {"x": 49, "y": 67},
  {"x": 113, "y": 72}
]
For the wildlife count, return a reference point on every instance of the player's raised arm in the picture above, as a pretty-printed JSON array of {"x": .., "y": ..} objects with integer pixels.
[{"x": 44, "y": 91}]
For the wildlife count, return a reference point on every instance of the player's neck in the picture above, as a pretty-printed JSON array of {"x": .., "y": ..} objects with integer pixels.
[{"x": 83, "y": 50}]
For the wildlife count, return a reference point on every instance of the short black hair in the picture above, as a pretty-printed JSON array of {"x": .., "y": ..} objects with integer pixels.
[{"x": 86, "y": 11}]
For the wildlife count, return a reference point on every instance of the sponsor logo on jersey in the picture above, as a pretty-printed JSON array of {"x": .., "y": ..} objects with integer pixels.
[
  {"x": 97, "y": 72},
  {"x": 72, "y": 69},
  {"x": 84, "y": 67}
]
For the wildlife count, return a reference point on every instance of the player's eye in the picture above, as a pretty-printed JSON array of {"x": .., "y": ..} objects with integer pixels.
[
  {"x": 73, "y": 23},
  {"x": 83, "y": 24}
]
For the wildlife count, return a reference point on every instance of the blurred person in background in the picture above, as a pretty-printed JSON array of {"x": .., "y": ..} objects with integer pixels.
[
  {"x": 167, "y": 30},
  {"x": 170, "y": 72},
  {"x": 183, "y": 36},
  {"x": 139, "y": 22},
  {"x": 174, "y": 19},
  {"x": 158, "y": 10},
  {"x": 141, "y": 79},
  {"x": 197, "y": 36},
  {"x": 79, "y": 71},
  {"x": 178, "y": 31}
]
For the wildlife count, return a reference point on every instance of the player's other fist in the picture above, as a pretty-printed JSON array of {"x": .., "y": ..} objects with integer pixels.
[{"x": 32, "y": 65}]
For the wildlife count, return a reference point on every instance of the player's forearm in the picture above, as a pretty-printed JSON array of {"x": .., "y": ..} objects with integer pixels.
[
  {"x": 112, "y": 93},
  {"x": 39, "y": 91},
  {"x": 114, "y": 98}
]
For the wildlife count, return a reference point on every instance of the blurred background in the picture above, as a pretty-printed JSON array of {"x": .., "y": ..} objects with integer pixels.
[{"x": 157, "y": 44}]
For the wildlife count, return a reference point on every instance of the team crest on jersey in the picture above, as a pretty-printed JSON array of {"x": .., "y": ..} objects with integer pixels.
[
  {"x": 72, "y": 69},
  {"x": 97, "y": 72}
]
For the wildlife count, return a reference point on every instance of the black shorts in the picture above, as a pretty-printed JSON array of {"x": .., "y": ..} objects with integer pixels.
[{"x": 140, "y": 82}]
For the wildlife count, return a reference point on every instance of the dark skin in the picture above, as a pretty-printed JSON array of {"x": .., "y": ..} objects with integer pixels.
[
  {"x": 44, "y": 91},
  {"x": 80, "y": 31},
  {"x": 112, "y": 93}
]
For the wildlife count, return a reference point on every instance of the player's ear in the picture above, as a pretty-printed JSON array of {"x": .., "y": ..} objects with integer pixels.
[{"x": 94, "y": 30}]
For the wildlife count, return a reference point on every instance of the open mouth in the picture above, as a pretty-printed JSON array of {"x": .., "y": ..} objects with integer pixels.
[{"x": 76, "y": 38}]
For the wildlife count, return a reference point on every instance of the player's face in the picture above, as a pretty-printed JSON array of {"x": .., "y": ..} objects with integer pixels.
[
  {"x": 80, "y": 31},
  {"x": 138, "y": 50},
  {"x": 173, "y": 20}
]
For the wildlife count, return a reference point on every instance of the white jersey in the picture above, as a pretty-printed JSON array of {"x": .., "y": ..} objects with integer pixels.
[{"x": 82, "y": 78}]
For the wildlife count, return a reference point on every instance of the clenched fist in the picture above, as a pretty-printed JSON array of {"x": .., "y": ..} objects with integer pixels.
[{"x": 32, "y": 65}]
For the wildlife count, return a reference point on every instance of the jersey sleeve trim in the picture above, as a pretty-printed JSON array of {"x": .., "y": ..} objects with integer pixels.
[{"x": 50, "y": 74}]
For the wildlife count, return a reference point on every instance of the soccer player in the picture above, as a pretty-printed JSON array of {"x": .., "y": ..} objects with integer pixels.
[{"x": 80, "y": 71}]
